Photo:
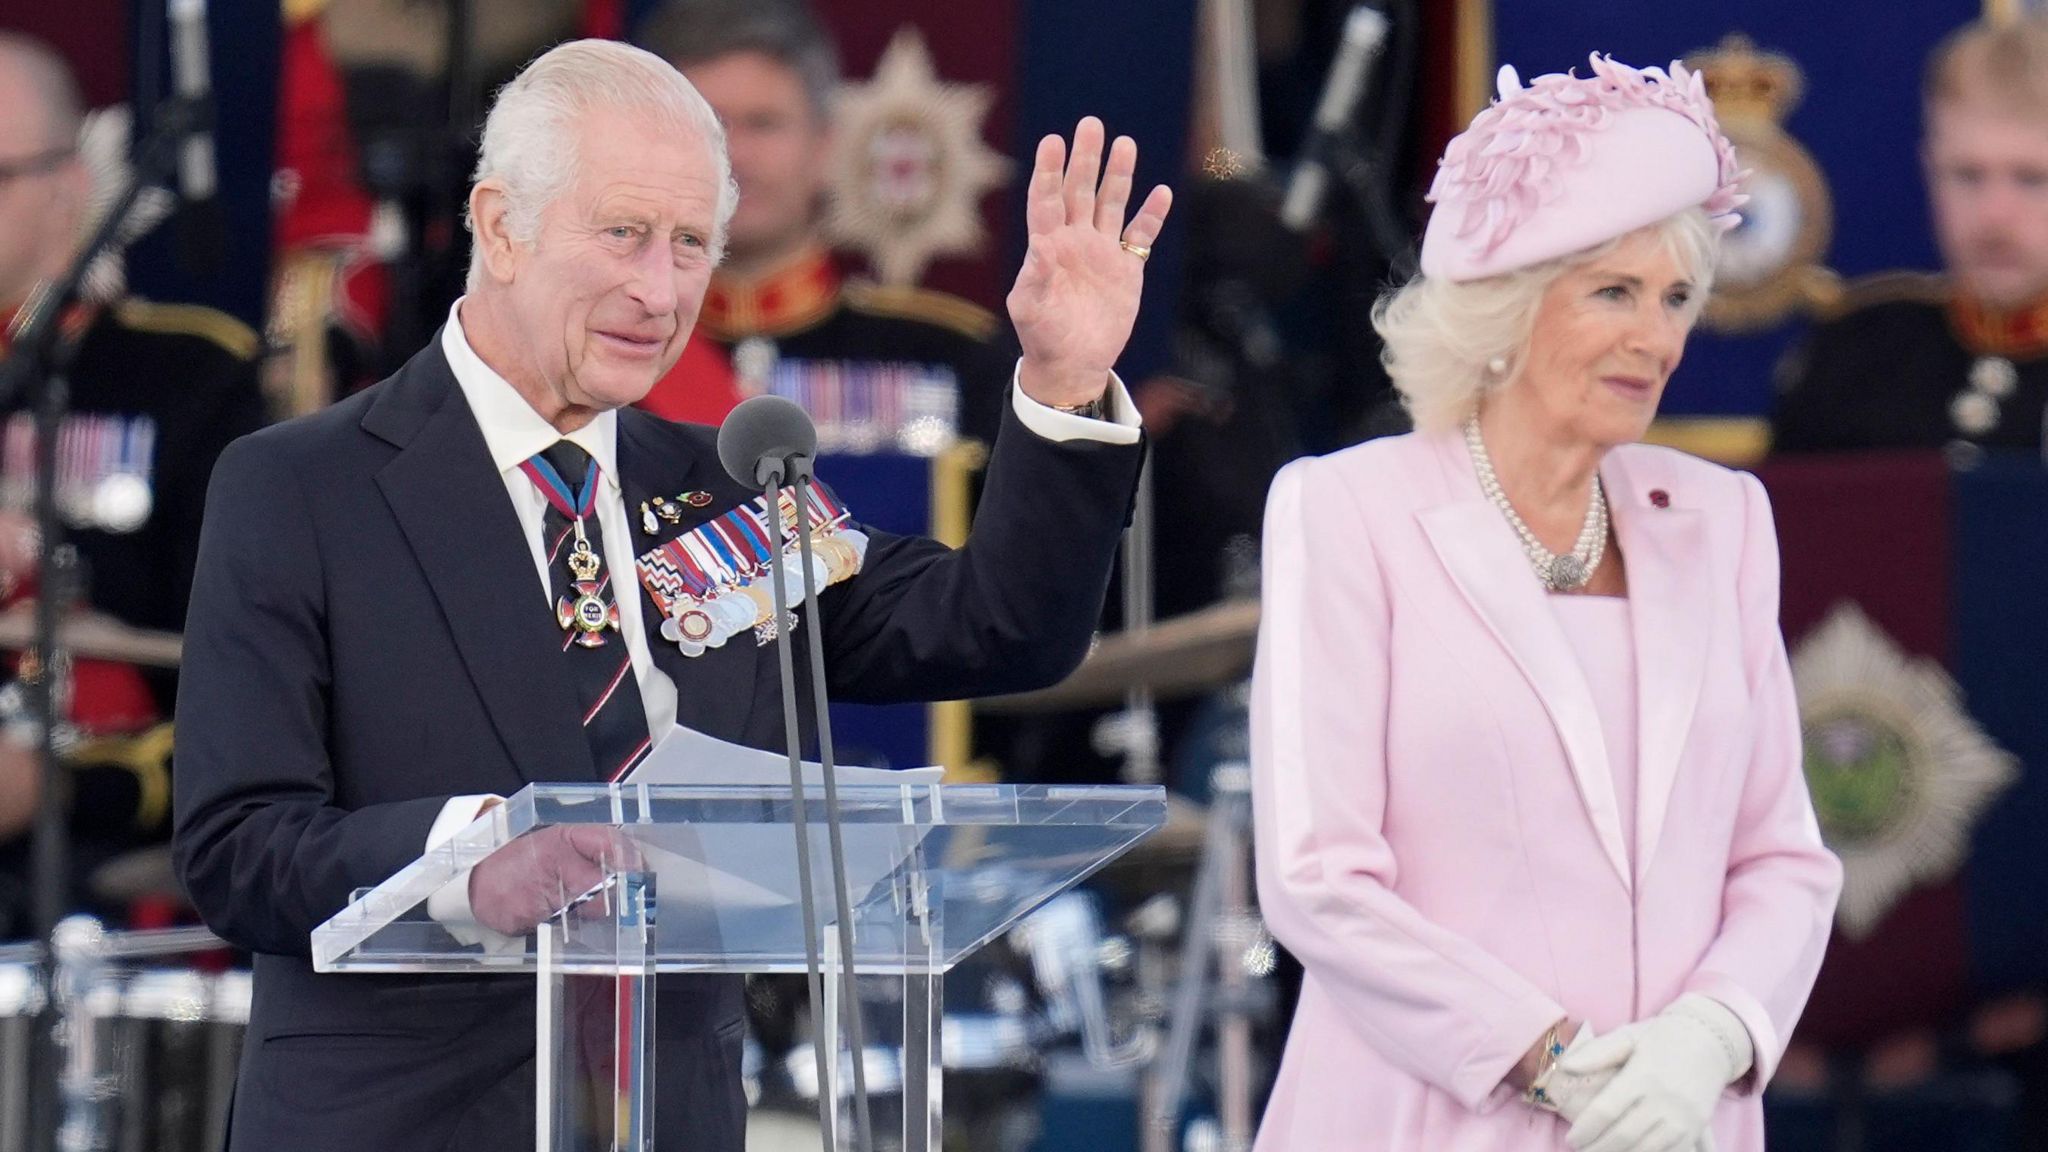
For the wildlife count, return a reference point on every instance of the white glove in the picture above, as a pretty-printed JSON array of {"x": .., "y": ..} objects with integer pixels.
[
  {"x": 1670, "y": 1071},
  {"x": 1570, "y": 1092}
]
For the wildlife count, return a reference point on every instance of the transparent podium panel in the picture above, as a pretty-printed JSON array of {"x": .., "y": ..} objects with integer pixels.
[{"x": 704, "y": 879}]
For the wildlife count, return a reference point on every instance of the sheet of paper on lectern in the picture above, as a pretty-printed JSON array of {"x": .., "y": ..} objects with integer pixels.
[{"x": 754, "y": 872}]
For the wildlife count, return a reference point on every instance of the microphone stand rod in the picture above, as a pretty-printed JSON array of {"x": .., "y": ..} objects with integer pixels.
[
  {"x": 1141, "y": 732},
  {"x": 849, "y": 990},
  {"x": 770, "y": 476}
]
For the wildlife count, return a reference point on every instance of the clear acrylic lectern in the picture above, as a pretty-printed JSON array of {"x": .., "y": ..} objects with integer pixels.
[{"x": 704, "y": 879}]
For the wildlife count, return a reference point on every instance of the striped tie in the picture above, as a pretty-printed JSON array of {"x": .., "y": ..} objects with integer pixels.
[{"x": 600, "y": 663}]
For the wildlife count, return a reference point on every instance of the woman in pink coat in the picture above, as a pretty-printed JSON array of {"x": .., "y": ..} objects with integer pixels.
[{"x": 1526, "y": 756}]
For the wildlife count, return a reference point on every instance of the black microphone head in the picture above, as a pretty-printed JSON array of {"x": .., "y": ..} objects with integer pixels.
[{"x": 760, "y": 435}]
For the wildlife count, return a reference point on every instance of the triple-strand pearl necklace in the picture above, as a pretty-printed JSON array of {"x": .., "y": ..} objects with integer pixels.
[{"x": 1566, "y": 572}]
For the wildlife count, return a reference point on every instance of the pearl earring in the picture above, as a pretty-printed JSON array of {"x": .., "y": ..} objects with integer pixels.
[{"x": 1498, "y": 366}]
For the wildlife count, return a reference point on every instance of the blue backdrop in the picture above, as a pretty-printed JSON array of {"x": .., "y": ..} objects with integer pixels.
[{"x": 1860, "y": 119}]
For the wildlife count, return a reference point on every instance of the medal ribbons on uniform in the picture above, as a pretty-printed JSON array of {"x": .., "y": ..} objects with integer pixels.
[
  {"x": 105, "y": 465},
  {"x": 710, "y": 582},
  {"x": 583, "y": 612},
  {"x": 873, "y": 406}
]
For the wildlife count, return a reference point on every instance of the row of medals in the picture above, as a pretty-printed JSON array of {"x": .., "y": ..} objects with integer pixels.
[{"x": 589, "y": 615}]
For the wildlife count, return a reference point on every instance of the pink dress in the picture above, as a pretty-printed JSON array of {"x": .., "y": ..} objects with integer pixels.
[
  {"x": 1598, "y": 629},
  {"x": 1478, "y": 810}
]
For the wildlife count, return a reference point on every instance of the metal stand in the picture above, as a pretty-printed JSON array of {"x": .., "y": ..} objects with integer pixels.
[
  {"x": 80, "y": 954},
  {"x": 1222, "y": 922},
  {"x": 1135, "y": 731}
]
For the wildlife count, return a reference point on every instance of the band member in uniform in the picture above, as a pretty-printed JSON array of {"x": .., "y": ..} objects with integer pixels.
[
  {"x": 1526, "y": 763},
  {"x": 1961, "y": 360},
  {"x": 157, "y": 391},
  {"x": 780, "y": 313},
  {"x": 368, "y": 659}
]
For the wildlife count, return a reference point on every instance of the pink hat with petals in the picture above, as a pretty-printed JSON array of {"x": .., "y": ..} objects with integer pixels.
[{"x": 1567, "y": 163}]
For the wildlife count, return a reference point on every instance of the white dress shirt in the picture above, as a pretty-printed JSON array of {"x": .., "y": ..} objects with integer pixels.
[{"x": 514, "y": 433}]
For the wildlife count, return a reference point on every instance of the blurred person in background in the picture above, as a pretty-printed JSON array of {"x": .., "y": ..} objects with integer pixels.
[
  {"x": 1958, "y": 361},
  {"x": 1526, "y": 760},
  {"x": 1961, "y": 360},
  {"x": 156, "y": 392},
  {"x": 780, "y": 305}
]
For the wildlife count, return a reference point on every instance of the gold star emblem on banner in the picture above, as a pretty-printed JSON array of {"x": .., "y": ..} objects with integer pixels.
[{"x": 909, "y": 167}]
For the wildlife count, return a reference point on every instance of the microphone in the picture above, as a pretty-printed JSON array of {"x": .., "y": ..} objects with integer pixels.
[
  {"x": 764, "y": 442},
  {"x": 1364, "y": 31},
  {"x": 201, "y": 230},
  {"x": 767, "y": 438}
]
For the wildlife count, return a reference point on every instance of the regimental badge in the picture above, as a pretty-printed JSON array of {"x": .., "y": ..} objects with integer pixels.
[
  {"x": 909, "y": 167},
  {"x": 1899, "y": 771},
  {"x": 1769, "y": 268},
  {"x": 584, "y": 611}
]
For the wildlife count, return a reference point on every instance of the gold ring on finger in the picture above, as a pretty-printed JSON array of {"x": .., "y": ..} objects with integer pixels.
[{"x": 1141, "y": 251}]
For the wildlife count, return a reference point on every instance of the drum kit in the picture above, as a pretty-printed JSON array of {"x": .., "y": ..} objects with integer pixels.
[
  {"x": 147, "y": 1052},
  {"x": 146, "y": 1047}
]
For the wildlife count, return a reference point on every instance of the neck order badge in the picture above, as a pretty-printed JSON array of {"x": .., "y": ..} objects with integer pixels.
[{"x": 582, "y": 610}]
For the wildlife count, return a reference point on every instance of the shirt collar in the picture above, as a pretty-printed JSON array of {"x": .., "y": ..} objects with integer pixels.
[{"x": 513, "y": 431}]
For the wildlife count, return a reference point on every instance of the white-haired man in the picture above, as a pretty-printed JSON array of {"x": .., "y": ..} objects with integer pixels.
[{"x": 374, "y": 647}]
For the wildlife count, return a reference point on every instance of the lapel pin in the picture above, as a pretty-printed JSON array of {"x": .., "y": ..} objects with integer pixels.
[
  {"x": 697, "y": 499},
  {"x": 1660, "y": 498},
  {"x": 647, "y": 523}
]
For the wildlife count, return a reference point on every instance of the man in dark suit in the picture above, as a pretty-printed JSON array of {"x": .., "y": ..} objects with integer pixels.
[{"x": 374, "y": 647}]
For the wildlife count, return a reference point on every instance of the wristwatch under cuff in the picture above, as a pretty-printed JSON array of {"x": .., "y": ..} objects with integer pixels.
[{"x": 1095, "y": 409}]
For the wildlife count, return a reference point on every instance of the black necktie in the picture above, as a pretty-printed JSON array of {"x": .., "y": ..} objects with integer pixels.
[{"x": 600, "y": 664}]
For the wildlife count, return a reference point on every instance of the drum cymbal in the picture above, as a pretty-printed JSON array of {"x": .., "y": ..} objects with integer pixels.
[
  {"x": 132, "y": 876},
  {"x": 96, "y": 637},
  {"x": 1174, "y": 658}
]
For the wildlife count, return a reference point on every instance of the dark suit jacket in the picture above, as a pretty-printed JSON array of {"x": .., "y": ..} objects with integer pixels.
[{"x": 366, "y": 640}]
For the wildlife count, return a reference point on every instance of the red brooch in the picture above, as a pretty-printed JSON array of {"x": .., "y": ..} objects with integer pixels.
[{"x": 1660, "y": 498}]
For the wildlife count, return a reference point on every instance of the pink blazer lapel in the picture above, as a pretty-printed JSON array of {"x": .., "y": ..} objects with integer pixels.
[
  {"x": 1671, "y": 609},
  {"x": 1486, "y": 563}
]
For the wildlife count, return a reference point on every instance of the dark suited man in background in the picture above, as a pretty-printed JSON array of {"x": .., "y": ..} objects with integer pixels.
[{"x": 374, "y": 650}]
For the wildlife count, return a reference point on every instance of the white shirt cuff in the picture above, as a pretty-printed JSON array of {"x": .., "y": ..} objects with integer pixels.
[
  {"x": 450, "y": 906},
  {"x": 1119, "y": 426}
]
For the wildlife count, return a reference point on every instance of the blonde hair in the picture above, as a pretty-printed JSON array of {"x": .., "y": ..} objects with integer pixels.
[
  {"x": 529, "y": 138},
  {"x": 1440, "y": 336},
  {"x": 2001, "y": 65}
]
